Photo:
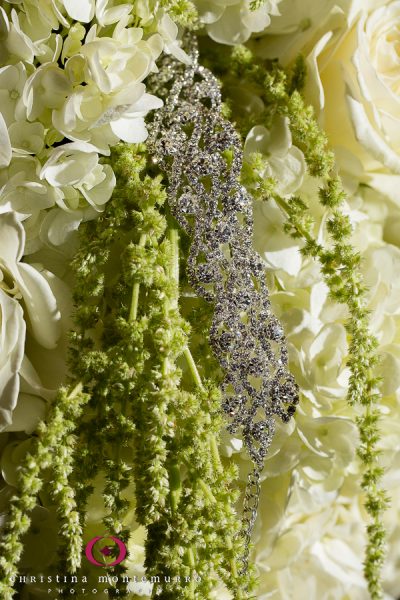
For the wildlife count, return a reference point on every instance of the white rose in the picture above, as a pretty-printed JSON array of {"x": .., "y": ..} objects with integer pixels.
[
  {"x": 300, "y": 25},
  {"x": 372, "y": 93},
  {"x": 353, "y": 82}
]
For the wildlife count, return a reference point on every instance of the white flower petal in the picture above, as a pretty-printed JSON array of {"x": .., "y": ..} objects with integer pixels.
[
  {"x": 41, "y": 306},
  {"x": 100, "y": 193},
  {"x": 289, "y": 172},
  {"x": 229, "y": 29},
  {"x": 5, "y": 144},
  {"x": 59, "y": 224},
  {"x": 369, "y": 137},
  {"x": 145, "y": 103},
  {"x": 209, "y": 11},
  {"x": 12, "y": 239},
  {"x": 26, "y": 416},
  {"x": 69, "y": 165},
  {"x": 130, "y": 130},
  {"x": 30, "y": 381},
  {"x": 80, "y": 10},
  {"x": 256, "y": 20},
  {"x": 288, "y": 259},
  {"x": 12, "y": 344}
]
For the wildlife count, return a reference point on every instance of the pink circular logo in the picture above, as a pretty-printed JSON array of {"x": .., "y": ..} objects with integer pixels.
[{"x": 106, "y": 551}]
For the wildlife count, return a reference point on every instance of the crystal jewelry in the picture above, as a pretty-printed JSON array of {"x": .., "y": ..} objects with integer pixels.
[{"x": 200, "y": 152}]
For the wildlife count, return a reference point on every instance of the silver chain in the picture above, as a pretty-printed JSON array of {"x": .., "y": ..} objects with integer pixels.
[{"x": 200, "y": 152}]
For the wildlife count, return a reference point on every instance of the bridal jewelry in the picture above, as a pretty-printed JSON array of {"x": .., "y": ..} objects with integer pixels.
[{"x": 200, "y": 152}]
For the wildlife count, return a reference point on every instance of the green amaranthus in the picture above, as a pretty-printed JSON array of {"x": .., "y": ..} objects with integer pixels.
[
  {"x": 340, "y": 265},
  {"x": 183, "y": 496},
  {"x": 142, "y": 424},
  {"x": 53, "y": 443}
]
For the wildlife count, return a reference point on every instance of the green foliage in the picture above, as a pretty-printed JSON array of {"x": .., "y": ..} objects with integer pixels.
[
  {"x": 142, "y": 424},
  {"x": 340, "y": 266},
  {"x": 52, "y": 444},
  {"x": 166, "y": 429},
  {"x": 259, "y": 186},
  {"x": 183, "y": 12},
  {"x": 256, "y": 4}
]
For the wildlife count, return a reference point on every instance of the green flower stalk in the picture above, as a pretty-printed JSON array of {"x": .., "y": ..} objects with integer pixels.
[
  {"x": 112, "y": 338},
  {"x": 340, "y": 265},
  {"x": 183, "y": 496},
  {"x": 200, "y": 515},
  {"x": 50, "y": 437},
  {"x": 142, "y": 425}
]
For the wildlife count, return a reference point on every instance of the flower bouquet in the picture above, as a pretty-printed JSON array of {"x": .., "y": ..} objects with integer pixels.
[{"x": 200, "y": 347}]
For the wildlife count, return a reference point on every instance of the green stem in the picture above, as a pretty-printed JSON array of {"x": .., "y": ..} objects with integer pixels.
[
  {"x": 60, "y": 424},
  {"x": 175, "y": 486},
  {"x": 286, "y": 208},
  {"x": 136, "y": 288},
  {"x": 193, "y": 368},
  {"x": 215, "y": 453},
  {"x": 173, "y": 236},
  {"x": 217, "y": 465},
  {"x": 207, "y": 491}
]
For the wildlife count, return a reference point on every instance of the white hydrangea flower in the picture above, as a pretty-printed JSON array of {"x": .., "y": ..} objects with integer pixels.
[
  {"x": 12, "y": 82},
  {"x": 26, "y": 137},
  {"x": 169, "y": 32},
  {"x": 72, "y": 45},
  {"x": 109, "y": 11},
  {"x": 318, "y": 554},
  {"x": 98, "y": 97},
  {"x": 322, "y": 372},
  {"x": 113, "y": 103},
  {"x": 22, "y": 190},
  {"x": 233, "y": 21},
  {"x": 46, "y": 89},
  {"x": 38, "y": 20},
  {"x": 278, "y": 249},
  {"x": 15, "y": 45},
  {"x": 284, "y": 161},
  {"x": 75, "y": 168}
]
